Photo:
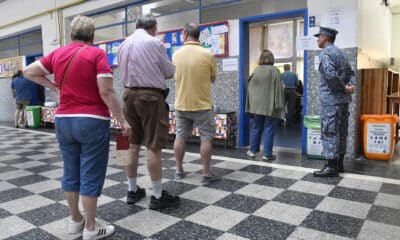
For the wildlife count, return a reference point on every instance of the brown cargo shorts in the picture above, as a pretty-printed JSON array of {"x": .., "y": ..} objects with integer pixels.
[
  {"x": 145, "y": 110},
  {"x": 21, "y": 104}
]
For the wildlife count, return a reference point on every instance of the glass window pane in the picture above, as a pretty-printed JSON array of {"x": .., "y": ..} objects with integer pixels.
[
  {"x": 133, "y": 12},
  {"x": 110, "y": 33},
  {"x": 116, "y": 16},
  {"x": 32, "y": 37},
  {"x": 205, "y": 3},
  {"x": 9, "y": 53},
  {"x": 256, "y": 46},
  {"x": 169, "y": 6},
  {"x": 9, "y": 43},
  {"x": 131, "y": 27},
  {"x": 31, "y": 49},
  {"x": 280, "y": 39}
]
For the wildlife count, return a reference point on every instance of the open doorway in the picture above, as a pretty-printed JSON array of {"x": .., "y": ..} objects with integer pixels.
[
  {"x": 279, "y": 36},
  {"x": 278, "y": 33},
  {"x": 37, "y": 91}
]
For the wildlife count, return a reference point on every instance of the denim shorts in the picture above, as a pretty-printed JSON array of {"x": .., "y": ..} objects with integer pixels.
[{"x": 84, "y": 144}]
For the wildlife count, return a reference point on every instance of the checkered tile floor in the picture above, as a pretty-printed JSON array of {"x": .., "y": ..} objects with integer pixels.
[{"x": 252, "y": 201}]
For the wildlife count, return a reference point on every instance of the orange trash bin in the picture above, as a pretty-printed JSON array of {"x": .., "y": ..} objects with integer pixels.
[{"x": 379, "y": 136}]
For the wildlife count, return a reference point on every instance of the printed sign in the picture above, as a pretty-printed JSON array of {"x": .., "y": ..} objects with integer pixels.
[
  {"x": 314, "y": 145},
  {"x": 378, "y": 138}
]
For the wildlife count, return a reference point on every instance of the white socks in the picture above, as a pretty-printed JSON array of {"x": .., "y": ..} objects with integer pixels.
[
  {"x": 157, "y": 188},
  {"x": 132, "y": 184}
]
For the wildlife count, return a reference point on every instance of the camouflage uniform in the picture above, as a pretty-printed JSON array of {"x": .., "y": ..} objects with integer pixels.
[{"x": 335, "y": 73}]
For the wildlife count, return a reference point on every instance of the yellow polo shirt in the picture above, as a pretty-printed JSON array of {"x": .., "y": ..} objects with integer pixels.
[{"x": 194, "y": 68}]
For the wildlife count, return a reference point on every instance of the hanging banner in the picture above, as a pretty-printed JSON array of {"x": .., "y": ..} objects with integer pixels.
[{"x": 9, "y": 65}]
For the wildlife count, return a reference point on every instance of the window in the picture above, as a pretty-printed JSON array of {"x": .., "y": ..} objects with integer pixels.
[{"x": 23, "y": 44}]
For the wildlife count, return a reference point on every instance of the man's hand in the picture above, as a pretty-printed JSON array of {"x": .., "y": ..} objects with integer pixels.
[
  {"x": 350, "y": 89},
  {"x": 126, "y": 129}
]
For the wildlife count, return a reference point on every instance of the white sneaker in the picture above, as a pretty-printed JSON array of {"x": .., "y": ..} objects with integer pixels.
[
  {"x": 98, "y": 232},
  {"x": 251, "y": 154},
  {"x": 76, "y": 227}
]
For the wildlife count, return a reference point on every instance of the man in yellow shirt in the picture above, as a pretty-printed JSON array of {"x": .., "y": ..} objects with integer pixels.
[{"x": 195, "y": 71}]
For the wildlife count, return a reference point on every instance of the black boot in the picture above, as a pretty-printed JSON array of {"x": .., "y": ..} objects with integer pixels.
[
  {"x": 340, "y": 163},
  {"x": 329, "y": 170}
]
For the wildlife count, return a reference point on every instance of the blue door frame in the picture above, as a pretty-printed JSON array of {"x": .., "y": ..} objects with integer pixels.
[{"x": 244, "y": 122}]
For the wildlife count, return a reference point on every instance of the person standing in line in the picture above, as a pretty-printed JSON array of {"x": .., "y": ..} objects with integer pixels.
[
  {"x": 291, "y": 82},
  {"x": 21, "y": 91},
  {"x": 84, "y": 81},
  {"x": 265, "y": 103},
  {"x": 145, "y": 66},
  {"x": 195, "y": 72},
  {"x": 337, "y": 83}
]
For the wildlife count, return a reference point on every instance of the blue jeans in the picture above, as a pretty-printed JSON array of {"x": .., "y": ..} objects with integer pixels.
[
  {"x": 263, "y": 124},
  {"x": 84, "y": 144}
]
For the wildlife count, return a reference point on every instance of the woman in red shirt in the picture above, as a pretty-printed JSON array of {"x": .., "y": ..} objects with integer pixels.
[{"x": 84, "y": 81}]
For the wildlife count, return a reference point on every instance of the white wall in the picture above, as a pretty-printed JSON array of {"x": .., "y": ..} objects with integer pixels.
[
  {"x": 374, "y": 34},
  {"x": 347, "y": 19},
  {"x": 395, "y": 43}
]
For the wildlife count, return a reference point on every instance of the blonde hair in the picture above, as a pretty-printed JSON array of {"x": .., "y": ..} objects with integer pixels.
[
  {"x": 266, "y": 58},
  {"x": 82, "y": 28}
]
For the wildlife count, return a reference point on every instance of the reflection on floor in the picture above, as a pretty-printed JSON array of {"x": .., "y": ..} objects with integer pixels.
[
  {"x": 288, "y": 137},
  {"x": 254, "y": 199}
]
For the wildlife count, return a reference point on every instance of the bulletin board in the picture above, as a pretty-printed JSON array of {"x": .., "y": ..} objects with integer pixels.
[
  {"x": 213, "y": 36},
  {"x": 111, "y": 50},
  {"x": 8, "y": 66}
]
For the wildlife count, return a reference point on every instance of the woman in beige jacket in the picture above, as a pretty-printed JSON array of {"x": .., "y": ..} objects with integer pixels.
[{"x": 266, "y": 103}]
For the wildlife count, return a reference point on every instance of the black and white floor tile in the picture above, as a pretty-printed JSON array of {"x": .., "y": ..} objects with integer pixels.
[{"x": 254, "y": 200}]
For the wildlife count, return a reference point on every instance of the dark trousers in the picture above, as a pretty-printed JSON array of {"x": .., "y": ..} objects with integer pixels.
[{"x": 290, "y": 100}]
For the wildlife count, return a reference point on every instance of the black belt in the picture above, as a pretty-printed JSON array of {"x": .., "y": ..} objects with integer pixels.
[
  {"x": 163, "y": 92},
  {"x": 146, "y": 88}
]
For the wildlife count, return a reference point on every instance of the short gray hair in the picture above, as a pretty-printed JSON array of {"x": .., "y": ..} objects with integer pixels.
[
  {"x": 82, "y": 28},
  {"x": 146, "y": 22},
  {"x": 192, "y": 30}
]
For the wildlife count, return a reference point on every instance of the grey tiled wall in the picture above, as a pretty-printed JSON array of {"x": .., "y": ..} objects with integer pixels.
[
  {"x": 225, "y": 90},
  {"x": 7, "y": 102},
  {"x": 313, "y": 104}
]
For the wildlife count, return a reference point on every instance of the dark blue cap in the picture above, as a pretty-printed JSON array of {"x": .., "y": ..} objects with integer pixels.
[{"x": 326, "y": 31}]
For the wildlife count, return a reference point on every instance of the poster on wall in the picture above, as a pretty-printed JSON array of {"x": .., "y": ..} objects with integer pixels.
[
  {"x": 9, "y": 65},
  {"x": 213, "y": 36},
  {"x": 111, "y": 49}
]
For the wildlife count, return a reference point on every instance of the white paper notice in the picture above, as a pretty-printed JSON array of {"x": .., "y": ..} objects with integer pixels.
[
  {"x": 229, "y": 64},
  {"x": 335, "y": 17},
  {"x": 219, "y": 29},
  {"x": 306, "y": 43},
  {"x": 167, "y": 45},
  {"x": 316, "y": 62}
]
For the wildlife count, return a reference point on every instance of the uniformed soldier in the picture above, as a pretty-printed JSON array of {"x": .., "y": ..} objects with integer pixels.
[{"x": 337, "y": 82}]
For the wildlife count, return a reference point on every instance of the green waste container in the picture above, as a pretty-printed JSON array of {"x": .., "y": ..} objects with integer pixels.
[
  {"x": 33, "y": 116},
  {"x": 314, "y": 145}
]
